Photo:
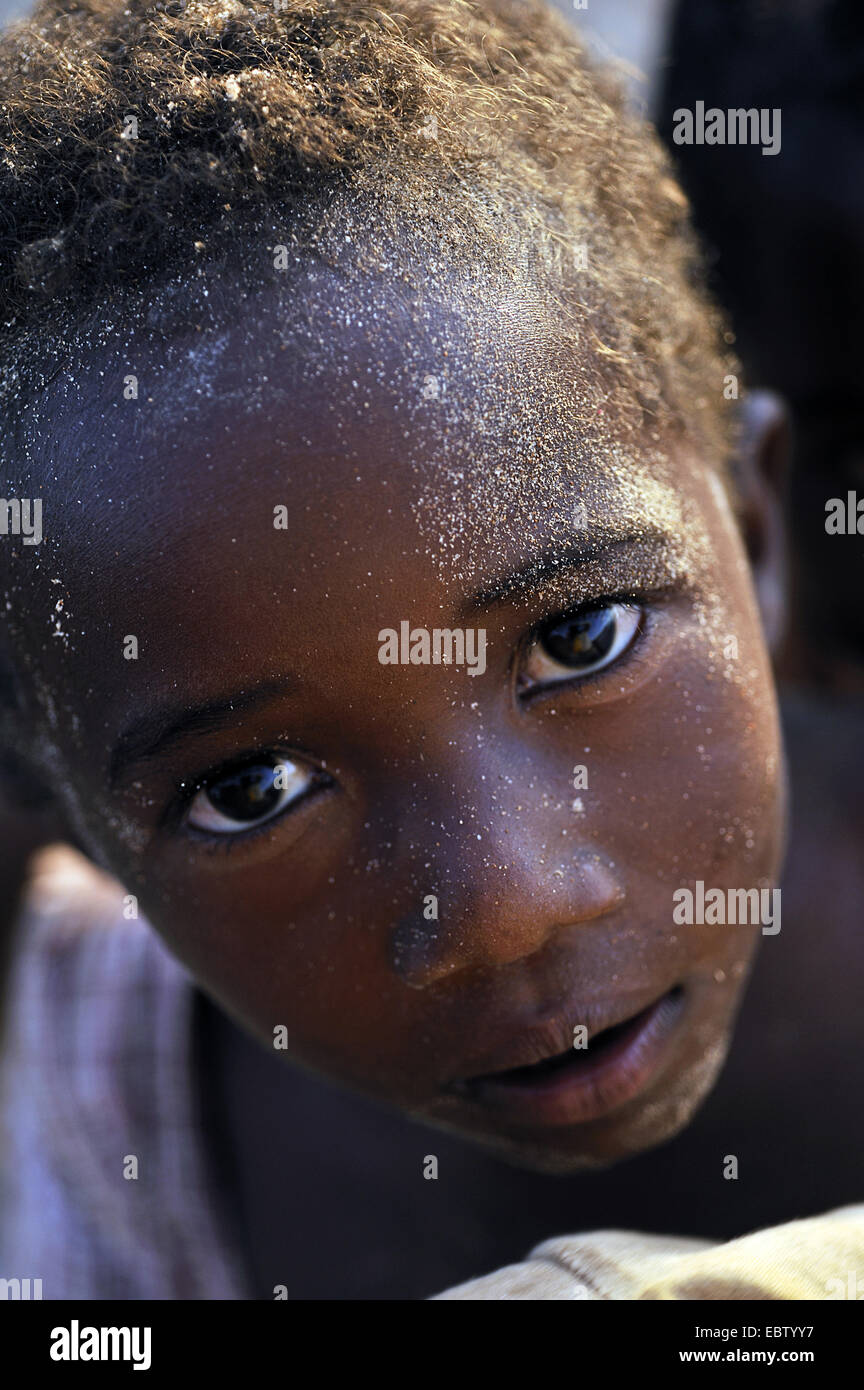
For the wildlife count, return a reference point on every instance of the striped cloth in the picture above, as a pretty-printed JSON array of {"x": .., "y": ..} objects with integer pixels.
[{"x": 96, "y": 1072}]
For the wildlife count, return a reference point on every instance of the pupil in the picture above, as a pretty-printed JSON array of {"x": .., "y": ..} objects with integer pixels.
[
  {"x": 582, "y": 640},
  {"x": 247, "y": 793}
]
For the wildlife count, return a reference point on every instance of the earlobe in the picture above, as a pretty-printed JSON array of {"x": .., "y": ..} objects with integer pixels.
[{"x": 762, "y": 468}]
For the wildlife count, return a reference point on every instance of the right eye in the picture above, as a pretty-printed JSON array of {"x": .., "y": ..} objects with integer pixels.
[
  {"x": 248, "y": 794},
  {"x": 580, "y": 643}
]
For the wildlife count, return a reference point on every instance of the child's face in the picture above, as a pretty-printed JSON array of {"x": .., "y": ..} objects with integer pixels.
[{"x": 422, "y": 474}]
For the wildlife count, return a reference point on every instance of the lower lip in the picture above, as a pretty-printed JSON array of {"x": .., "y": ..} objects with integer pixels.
[{"x": 591, "y": 1089}]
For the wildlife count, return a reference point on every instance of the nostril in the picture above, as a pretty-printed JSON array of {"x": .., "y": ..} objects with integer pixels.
[
  {"x": 504, "y": 917},
  {"x": 414, "y": 952}
]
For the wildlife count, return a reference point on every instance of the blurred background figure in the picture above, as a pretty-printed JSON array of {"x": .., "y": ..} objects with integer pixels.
[{"x": 785, "y": 239}]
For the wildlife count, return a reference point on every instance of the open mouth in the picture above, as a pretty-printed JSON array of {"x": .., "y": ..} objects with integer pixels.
[
  {"x": 580, "y": 1084},
  {"x": 601, "y": 1045}
]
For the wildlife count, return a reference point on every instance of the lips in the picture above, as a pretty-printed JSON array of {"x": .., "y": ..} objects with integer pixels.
[{"x": 550, "y": 1082}]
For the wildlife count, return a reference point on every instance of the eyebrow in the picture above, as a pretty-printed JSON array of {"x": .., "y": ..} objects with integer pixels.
[
  {"x": 563, "y": 559},
  {"x": 158, "y": 731}
]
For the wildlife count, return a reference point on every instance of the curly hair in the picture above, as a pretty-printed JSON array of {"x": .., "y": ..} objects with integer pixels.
[{"x": 136, "y": 137}]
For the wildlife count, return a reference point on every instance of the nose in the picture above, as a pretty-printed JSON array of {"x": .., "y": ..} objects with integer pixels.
[{"x": 498, "y": 899}]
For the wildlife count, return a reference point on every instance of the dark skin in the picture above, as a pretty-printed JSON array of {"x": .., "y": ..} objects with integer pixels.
[
  {"x": 414, "y": 780},
  {"x": 336, "y": 1217},
  {"x": 333, "y": 1219}
]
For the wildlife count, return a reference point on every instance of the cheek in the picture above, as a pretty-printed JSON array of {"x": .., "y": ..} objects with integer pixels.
[
  {"x": 288, "y": 941},
  {"x": 687, "y": 778}
]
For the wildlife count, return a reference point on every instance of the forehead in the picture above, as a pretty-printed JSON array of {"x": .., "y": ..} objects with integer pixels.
[
  {"x": 417, "y": 446},
  {"x": 465, "y": 399}
]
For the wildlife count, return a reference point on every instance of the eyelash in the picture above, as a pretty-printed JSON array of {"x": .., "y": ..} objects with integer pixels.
[
  {"x": 213, "y": 843},
  {"x": 225, "y": 844},
  {"x": 647, "y": 599}
]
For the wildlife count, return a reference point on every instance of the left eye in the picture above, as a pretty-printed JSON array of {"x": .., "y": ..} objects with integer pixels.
[
  {"x": 580, "y": 645},
  {"x": 247, "y": 795}
]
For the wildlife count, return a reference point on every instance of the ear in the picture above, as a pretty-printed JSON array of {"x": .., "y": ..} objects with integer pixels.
[{"x": 762, "y": 468}]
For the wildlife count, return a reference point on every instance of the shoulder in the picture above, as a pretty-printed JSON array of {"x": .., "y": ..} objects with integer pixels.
[
  {"x": 815, "y": 1259},
  {"x": 100, "y": 1117}
]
